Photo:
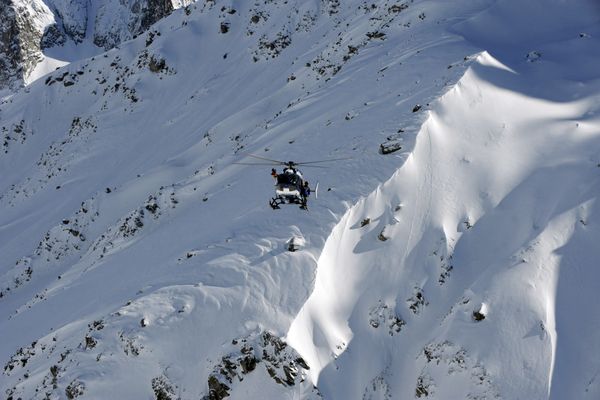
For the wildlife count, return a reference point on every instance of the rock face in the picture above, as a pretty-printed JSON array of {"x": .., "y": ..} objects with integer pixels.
[
  {"x": 20, "y": 40},
  {"x": 280, "y": 361},
  {"x": 72, "y": 17},
  {"x": 117, "y": 21},
  {"x": 28, "y": 28}
]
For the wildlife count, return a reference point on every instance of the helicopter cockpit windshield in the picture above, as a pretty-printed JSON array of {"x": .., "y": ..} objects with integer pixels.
[{"x": 287, "y": 178}]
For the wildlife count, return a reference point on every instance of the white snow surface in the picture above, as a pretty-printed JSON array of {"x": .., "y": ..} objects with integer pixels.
[{"x": 133, "y": 250}]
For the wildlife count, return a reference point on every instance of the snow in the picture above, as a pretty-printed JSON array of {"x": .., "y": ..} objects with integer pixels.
[
  {"x": 137, "y": 254},
  {"x": 517, "y": 172}
]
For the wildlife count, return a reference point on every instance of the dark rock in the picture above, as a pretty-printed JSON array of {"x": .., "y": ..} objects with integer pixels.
[
  {"x": 74, "y": 390},
  {"x": 157, "y": 65},
  {"x": 291, "y": 372},
  {"x": 292, "y": 246},
  {"x": 417, "y": 301},
  {"x": 300, "y": 361},
  {"x": 74, "y": 232},
  {"x": 248, "y": 364},
  {"x": 90, "y": 342},
  {"x": 396, "y": 8},
  {"x": 217, "y": 390},
  {"x": 477, "y": 316},
  {"x": 389, "y": 147},
  {"x": 376, "y": 35},
  {"x": 421, "y": 389},
  {"x": 163, "y": 389}
]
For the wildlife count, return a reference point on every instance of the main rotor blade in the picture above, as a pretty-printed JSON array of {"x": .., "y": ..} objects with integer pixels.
[
  {"x": 271, "y": 165},
  {"x": 320, "y": 161},
  {"x": 314, "y": 166},
  {"x": 267, "y": 159},
  {"x": 256, "y": 163},
  {"x": 297, "y": 163}
]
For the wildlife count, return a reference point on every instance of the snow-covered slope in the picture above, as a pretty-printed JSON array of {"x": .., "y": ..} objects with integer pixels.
[
  {"x": 499, "y": 219},
  {"x": 138, "y": 261},
  {"x": 474, "y": 276}
]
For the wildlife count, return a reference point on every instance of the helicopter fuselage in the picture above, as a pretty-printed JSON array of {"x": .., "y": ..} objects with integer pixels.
[{"x": 288, "y": 189}]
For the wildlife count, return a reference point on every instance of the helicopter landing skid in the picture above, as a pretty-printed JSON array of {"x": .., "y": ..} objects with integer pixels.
[{"x": 275, "y": 202}]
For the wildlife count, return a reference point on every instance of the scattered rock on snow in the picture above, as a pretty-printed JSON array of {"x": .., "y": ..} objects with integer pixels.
[
  {"x": 424, "y": 386},
  {"x": 383, "y": 235},
  {"x": 295, "y": 243},
  {"x": 417, "y": 301},
  {"x": 480, "y": 313},
  {"x": 163, "y": 389},
  {"x": 384, "y": 315},
  {"x": 451, "y": 360},
  {"x": 281, "y": 362},
  {"x": 390, "y": 147},
  {"x": 533, "y": 56},
  {"x": 75, "y": 389}
]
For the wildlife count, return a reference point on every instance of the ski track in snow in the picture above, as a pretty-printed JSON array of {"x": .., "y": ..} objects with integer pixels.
[{"x": 137, "y": 261}]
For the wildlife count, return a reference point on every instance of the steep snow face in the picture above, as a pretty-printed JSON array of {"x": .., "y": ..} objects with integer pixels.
[
  {"x": 138, "y": 261},
  {"x": 456, "y": 277}
]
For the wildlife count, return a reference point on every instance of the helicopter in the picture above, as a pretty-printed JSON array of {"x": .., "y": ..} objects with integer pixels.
[{"x": 290, "y": 185}]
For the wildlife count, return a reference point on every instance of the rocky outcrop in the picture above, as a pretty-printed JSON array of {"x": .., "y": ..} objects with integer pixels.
[
  {"x": 72, "y": 18},
  {"x": 132, "y": 18},
  {"x": 114, "y": 21},
  {"x": 27, "y": 28},
  {"x": 263, "y": 350},
  {"x": 21, "y": 36}
]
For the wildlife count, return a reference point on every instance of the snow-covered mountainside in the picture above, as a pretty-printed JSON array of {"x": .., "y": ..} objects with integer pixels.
[
  {"x": 451, "y": 252},
  {"x": 38, "y": 35}
]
